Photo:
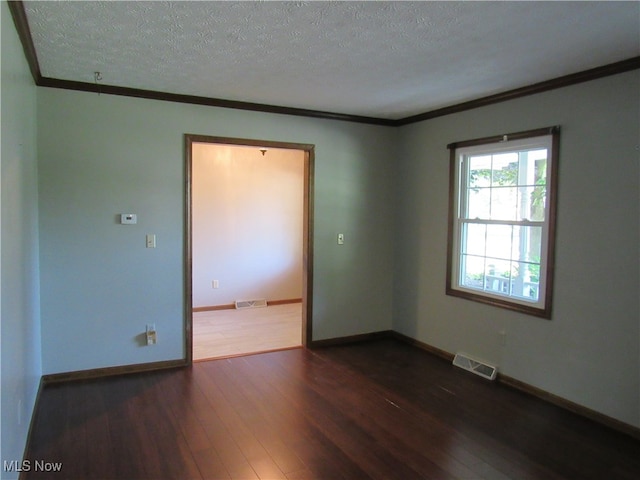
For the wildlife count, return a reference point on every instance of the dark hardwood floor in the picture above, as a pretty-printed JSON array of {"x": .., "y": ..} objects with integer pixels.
[{"x": 376, "y": 410}]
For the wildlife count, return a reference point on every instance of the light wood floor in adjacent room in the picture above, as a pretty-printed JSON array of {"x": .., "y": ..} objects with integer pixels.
[{"x": 225, "y": 333}]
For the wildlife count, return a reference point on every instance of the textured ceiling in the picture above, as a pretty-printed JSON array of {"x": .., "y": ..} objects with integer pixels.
[{"x": 378, "y": 59}]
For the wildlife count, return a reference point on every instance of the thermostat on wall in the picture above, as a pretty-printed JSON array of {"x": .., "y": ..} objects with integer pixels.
[{"x": 128, "y": 219}]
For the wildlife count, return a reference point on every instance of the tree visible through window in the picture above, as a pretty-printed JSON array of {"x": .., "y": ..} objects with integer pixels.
[{"x": 502, "y": 220}]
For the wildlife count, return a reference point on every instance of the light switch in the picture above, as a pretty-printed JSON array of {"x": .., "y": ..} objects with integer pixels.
[
  {"x": 341, "y": 239},
  {"x": 151, "y": 240},
  {"x": 152, "y": 336}
]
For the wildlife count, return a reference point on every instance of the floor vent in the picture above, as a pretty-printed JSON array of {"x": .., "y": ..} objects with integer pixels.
[
  {"x": 260, "y": 302},
  {"x": 478, "y": 367}
]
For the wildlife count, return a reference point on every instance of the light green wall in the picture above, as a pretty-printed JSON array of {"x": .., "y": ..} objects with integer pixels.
[
  {"x": 20, "y": 344},
  {"x": 589, "y": 351},
  {"x": 102, "y": 155}
]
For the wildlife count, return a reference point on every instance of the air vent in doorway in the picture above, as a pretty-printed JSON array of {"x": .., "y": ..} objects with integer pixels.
[
  {"x": 478, "y": 367},
  {"x": 260, "y": 302}
]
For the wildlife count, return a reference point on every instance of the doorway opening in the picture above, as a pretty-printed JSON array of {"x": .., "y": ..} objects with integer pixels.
[{"x": 248, "y": 246}]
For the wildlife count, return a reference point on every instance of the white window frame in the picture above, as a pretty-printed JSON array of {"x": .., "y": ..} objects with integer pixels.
[{"x": 515, "y": 142}]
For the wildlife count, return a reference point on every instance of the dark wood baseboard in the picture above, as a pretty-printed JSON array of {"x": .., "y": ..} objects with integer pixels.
[
  {"x": 232, "y": 306},
  {"x": 422, "y": 346},
  {"x": 111, "y": 371},
  {"x": 381, "y": 335},
  {"x": 570, "y": 406},
  {"x": 364, "y": 337}
]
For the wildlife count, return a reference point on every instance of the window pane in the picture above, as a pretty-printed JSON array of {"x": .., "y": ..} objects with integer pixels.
[
  {"x": 505, "y": 169},
  {"x": 479, "y": 171},
  {"x": 479, "y": 203},
  {"x": 498, "y": 276},
  {"x": 472, "y": 269},
  {"x": 524, "y": 202},
  {"x": 473, "y": 239},
  {"x": 538, "y": 197},
  {"x": 499, "y": 241},
  {"x": 539, "y": 157},
  {"x": 532, "y": 277},
  {"x": 526, "y": 244},
  {"x": 504, "y": 203},
  {"x": 525, "y": 280}
]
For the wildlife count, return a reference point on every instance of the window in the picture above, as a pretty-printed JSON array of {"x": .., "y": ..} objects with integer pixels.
[{"x": 502, "y": 220}]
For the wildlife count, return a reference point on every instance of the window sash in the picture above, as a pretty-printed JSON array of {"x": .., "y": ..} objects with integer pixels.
[{"x": 515, "y": 261}]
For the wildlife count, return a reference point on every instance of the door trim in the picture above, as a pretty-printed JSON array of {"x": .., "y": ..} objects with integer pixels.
[{"x": 307, "y": 248}]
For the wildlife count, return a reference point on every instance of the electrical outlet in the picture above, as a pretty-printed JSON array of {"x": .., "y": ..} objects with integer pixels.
[
  {"x": 152, "y": 336},
  {"x": 128, "y": 218},
  {"x": 215, "y": 284},
  {"x": 503, "y": 337}
]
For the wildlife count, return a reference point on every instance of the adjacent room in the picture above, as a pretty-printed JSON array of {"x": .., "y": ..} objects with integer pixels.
[
  {"x": 415, "y": 187},
  {"x": 247, "y": 205}
]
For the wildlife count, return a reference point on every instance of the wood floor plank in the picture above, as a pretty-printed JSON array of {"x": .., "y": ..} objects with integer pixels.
[
  {"x": 375, "y": 449},
  {"x": 210, "y": 465},
  {"x": 287, "y": 418},
  {"x": 239, "y": 450},
  {"x": 376, "y": 410},
  {"x": 264, "y": 424},
  {"x": 389, "y": 460},
  {"x": 386, "y": 420},
  {"x": 448, "y": 404},
  {"x": 503, "y": 441},
  {"x": 253, "y": 451},
  {"x": 97, "y": 424}
]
